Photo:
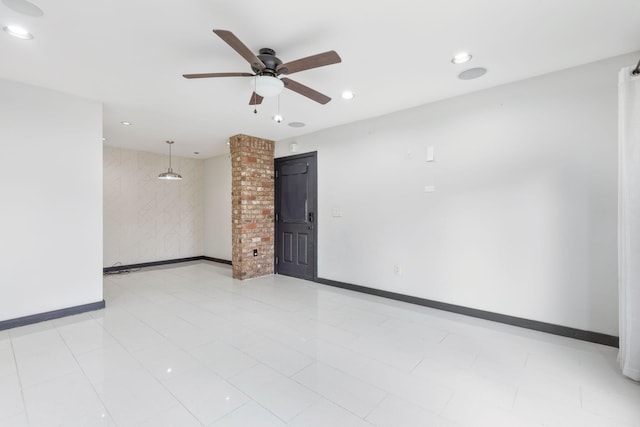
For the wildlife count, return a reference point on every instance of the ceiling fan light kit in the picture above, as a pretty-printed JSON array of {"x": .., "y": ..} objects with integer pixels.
[
  {"x": 267, "y": 69},
  {"x": 267, "y": 86},
  {"x": 348, "y": 95}
]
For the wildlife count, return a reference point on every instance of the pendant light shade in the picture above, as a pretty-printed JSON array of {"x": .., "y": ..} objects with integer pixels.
[{"x": 169, "y": 174}]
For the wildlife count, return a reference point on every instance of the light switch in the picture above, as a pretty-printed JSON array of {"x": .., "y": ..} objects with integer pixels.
[
  {"x": 431, "y": 154},
  {"x": 336, "y": 213}
]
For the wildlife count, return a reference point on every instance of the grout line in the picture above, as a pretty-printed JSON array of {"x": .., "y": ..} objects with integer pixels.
[
  {"x": 444, "y": 337},
  {"x": 515, "y": 397},
  {"x": 84, "y": 374},
  {"x": 232, "y": 412},
  {"x": 526, "y": 361},
  {"x": 581, "y": 397},
  {"x": 446, "y": 405},
  {"x": 145, "y": 369},
  {"x": 377, "y": 405},
  {"x": 15, "y": 363}
]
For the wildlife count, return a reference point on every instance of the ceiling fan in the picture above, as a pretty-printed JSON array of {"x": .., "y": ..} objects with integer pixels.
[{"x": 267, "y": 69}]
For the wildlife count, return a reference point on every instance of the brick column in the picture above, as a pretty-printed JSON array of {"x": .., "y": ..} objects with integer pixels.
[{"x": 252, "y": 193}]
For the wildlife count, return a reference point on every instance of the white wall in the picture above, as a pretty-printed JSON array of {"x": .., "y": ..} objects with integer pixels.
[
  {"x": 51, "y": 192},
  {"x": 147, "y": 219},
  {"x": 523, "y": 217},
  {"x": 217, "y": 207}
]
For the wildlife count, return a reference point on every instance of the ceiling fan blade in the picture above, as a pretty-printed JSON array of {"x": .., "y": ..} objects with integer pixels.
[
  {"x": 206, "y": 75},
  {"x": 305, "y": 91},
  {"x": 240, "y": 47},
  {"x": 255, "y": 99},
  {"x": 314, "y": 61}
]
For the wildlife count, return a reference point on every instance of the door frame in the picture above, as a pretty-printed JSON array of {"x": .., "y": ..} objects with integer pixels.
[{"x": 312, "y": 194}]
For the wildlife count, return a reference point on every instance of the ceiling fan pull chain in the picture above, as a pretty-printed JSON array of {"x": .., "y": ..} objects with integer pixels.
[
  {"x": 278, "y": 117},
  {"x": 255, "y": 109}
]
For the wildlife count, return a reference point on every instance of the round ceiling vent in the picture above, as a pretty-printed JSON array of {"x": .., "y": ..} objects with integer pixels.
[
  {"x": 23, "y": 7},
  {"x": 472, "y": 73}
]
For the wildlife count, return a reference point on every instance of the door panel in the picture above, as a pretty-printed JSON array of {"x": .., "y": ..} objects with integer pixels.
[
  {"x": 287, "y": 255},
  {"x": 293, "y": 207},
  {"x": 296, "y": 204},
  {"x": 303, "y": 253}
]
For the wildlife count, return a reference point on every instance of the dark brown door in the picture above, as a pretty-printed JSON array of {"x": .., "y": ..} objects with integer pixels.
[{"x": 296, "y": 221}]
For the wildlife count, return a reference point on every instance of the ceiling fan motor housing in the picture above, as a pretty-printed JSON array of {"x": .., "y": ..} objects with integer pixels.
[{"x": 271, "y": 62}]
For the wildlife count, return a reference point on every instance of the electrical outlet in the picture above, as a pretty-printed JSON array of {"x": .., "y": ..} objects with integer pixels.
[
  {"x": 255, "y": 252},
  {"x": 397, "y": 269}
]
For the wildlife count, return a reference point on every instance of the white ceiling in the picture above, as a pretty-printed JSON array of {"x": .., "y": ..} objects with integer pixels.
[{"x": 131, "y": 54}]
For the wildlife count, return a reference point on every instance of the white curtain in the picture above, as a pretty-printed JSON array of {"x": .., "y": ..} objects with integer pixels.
[{"x": 629, "y": 222}]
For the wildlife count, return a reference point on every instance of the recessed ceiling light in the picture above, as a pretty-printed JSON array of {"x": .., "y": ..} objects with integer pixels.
[
  {"x": 23, "y": 7},
  {"x": 104, "y": 139},
  {"x": 297, "y": 125},
  {"x": 196, "y": 152},
  {"x": 472, "y": 73},
  {"x": 19, "y": 32},
  {"x": 461, "y": 58},
  {"x": 125, "y": 123},
  {"x": 347, "y": 94}
]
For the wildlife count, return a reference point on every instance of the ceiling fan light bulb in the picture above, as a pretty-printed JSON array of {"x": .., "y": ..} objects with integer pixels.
[
  {"x": 267, "y": 86},
  {"x": 278, "y": 118},
  {"x": 348, "y": 95}
]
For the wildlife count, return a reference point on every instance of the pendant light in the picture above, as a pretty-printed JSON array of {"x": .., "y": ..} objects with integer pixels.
[{"x": 169, "y": 174}]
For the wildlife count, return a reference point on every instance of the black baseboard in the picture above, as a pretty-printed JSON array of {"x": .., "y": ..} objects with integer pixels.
[
  {"x": 116, "y": 268},
  {"x": 221, "y": 261},
  {"x": 50, "y": 315},
  {"x": 550, "y": 328}
]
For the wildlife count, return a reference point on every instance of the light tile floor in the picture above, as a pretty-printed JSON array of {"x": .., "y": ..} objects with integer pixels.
[{"x": 190, "y": 346}]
